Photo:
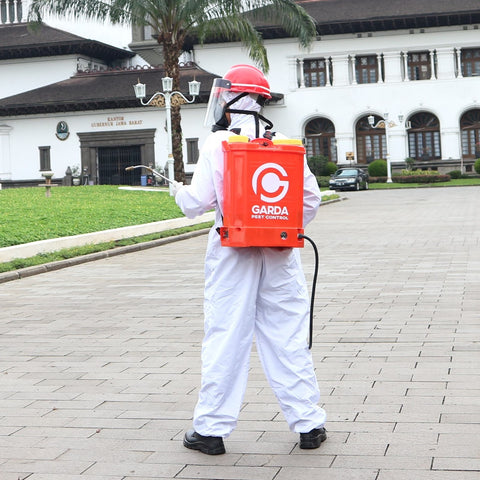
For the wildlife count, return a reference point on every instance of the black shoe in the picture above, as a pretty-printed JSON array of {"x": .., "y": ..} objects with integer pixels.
[
  {"x": 313, "y": 439},
  {"x": 208, "y": 445}
]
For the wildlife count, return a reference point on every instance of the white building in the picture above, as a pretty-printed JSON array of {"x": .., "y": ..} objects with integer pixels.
[{"x": 418, "y": 61}]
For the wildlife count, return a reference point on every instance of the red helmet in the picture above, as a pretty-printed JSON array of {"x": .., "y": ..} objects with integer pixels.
[{"x": 247, "y": 78}]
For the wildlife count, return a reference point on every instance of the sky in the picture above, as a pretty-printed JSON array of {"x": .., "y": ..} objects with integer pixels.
[{"x": 116, "y": 35}]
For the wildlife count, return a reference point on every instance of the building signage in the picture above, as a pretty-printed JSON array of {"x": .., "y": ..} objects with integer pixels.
[
  {"x": 116, "y": 121},
  {"x": 62, "y": 131}
]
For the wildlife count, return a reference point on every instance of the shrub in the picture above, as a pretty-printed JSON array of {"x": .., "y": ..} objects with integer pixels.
[
  {"x": 321, "y": 166},
  {"x": 419, "y": 172},
  {"x": 331, "y": 168},
  {"x": 424, "y": 177},
  {"x": 378, "y": 168},
  {"x": 455, "y": 174},
  {"x": 476, "y": 165},
  {"x": 323, "y": 181},
  {"x": 316, "y": 164}
]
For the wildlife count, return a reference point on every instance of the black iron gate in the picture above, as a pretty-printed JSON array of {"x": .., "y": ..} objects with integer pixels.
[{"x": 112, "y": 162}]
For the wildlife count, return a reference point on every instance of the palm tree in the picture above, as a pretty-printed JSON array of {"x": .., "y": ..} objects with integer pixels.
[{"x": 204, "y": 20}]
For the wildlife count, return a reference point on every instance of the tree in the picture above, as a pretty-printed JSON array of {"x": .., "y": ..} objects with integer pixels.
[{"x": 204, "y": 20}]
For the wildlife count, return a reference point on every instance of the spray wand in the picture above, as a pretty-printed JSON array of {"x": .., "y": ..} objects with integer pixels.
[{"x": 157, "y": 174}]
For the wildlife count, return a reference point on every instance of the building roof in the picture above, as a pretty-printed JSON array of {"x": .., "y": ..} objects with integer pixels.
[
  {"x": 100, "y": 90},
  {"x": 21, "y": 41},
  {"x": 356, "y": 16},
  {"x": 96, "y": 90}
]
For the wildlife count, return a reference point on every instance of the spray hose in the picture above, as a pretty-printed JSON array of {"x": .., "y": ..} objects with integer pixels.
[{"x": 314, "y": 283}]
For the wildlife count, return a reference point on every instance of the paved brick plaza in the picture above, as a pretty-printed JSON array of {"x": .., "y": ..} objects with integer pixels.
[{"x": 99, "y": 363}]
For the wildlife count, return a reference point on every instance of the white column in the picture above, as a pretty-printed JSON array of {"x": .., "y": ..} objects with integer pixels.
[
  {"x": 25, "y": 7},
  {"x": 398, "y": 143},
  {"x": 345, "y": 143},
  {"x": 302, "y": 75},
  {"x": 5, "y": 159},
  {"x": 292, "y": 74},
  {"x": 380, "y": 71},
  {"x": 327, "y": 71},
  {"x": 432, "y": 64},
  {"x": 393, "y": 67},
  {"x": 340, "y": 70},
  {"x": 459, "y": 63},
  {"x": 351, "y": 69},
  {"x": 451, "y": 143},
  {"x": 405, "y": 66},
  {"x": 445, "y": 63}
]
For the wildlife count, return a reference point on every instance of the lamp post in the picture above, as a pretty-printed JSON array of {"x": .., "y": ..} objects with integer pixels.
[
  {"x": 166, "y": 99},
  {"x": 387, "y": 125}
]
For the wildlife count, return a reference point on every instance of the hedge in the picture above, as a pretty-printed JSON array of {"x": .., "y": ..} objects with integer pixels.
[
  {"x": 413, "y": 178},
  {"x": 421, "y": 178}
]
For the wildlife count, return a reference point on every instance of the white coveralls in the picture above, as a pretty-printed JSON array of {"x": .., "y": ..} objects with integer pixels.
[{"x": 249, "y": 292}]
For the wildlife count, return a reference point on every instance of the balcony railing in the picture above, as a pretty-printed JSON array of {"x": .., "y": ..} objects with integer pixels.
[{"x": 13, "y": 11}]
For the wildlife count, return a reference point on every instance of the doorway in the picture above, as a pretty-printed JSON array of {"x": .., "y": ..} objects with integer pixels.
[
  {"x": 105, "y": 155},
  {"x": 112, "y": 162}
]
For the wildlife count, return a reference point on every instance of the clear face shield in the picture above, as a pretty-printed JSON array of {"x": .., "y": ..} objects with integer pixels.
[
  {"x": 217, "y": 102},
  {"x": 223, "y": 103}
]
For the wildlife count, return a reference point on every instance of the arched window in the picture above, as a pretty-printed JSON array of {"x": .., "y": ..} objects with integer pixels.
[
  {"x": 371, "y": 142},
  {"x": 470, "y": 128},
  {"x": 320, "y": 138},
  {"x": 424, "y": 137}
]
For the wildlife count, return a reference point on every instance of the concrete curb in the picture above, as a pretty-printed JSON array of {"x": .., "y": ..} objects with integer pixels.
[
  {"x": 27, "y": 250},
  {"x": 91, "y": 257}
]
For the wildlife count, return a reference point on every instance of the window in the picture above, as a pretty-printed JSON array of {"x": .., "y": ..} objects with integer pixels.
[
  {"x": 366, "y": 69},
  {"x": 419, "y": 66},
  {"x": 470, "y": 128},
  {"x": 320, "y": 139},
  {"x": 371, "y": 142},
  {"x": 424, "y": 137},
  {"x": 471, "y": 62},
  {"x": 315, "y": 72},
  {"x": 44, "y": 159},
  {"x": 192, "y": 150}
]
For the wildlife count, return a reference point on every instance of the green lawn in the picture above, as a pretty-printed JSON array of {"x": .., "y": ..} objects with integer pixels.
[{"x": 27, "y": 215}]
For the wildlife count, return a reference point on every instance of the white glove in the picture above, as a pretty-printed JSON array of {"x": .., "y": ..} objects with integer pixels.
[{"x": 176, "y": 186}]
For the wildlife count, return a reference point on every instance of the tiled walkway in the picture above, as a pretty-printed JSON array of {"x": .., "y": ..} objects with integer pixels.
[{"x": 100, "y": 362}]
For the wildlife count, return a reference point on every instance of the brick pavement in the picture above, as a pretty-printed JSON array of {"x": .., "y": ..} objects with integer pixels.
[{"x": 99, "y": 362}]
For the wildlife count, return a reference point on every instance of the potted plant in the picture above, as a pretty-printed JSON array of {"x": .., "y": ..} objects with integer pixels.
[{"x": 410, "y": 162}]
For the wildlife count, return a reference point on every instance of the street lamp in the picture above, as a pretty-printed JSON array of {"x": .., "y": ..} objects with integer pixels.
[
  {"x": 166, "y": 99},
  {"x": 386, "y": 125}
]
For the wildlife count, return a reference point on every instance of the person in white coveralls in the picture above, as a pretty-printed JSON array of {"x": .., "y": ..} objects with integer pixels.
[{"x": 250, "y": 291}]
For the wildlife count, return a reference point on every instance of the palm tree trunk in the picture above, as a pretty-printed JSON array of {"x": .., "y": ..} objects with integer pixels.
[{"x": 171, "y": 54}]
